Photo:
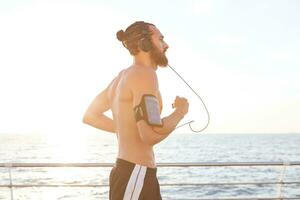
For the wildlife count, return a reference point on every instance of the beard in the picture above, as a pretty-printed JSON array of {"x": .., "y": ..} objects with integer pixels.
[{"x": 158, "y": 57}]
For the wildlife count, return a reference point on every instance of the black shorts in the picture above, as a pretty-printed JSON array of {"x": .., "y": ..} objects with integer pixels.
[{"x": 130, "y": 181}]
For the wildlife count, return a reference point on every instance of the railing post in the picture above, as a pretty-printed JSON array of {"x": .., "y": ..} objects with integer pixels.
[
  {"x": 280, "y": 180},
  {"x": 9, "y": 165}
]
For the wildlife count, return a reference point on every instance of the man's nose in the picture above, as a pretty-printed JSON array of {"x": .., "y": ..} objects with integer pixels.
[{"x": 166, "y": 46}]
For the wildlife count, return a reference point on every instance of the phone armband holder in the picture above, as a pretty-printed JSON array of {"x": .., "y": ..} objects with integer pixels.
[{"x": 148, "y": 110}]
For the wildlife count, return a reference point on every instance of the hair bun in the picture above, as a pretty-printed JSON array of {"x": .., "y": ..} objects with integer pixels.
[{"x": 121, "y": 35}]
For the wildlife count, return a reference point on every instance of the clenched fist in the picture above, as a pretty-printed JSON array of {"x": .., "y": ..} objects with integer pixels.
[{"x": 181, "y": 105}]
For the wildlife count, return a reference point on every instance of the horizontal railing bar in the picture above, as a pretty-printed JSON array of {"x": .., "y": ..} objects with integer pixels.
[
  {"x": 254, "y": 198},
  {"x": 164, "y": 184},
  {"x": 231, "y": 183},
  {"x": 192, "y": 164},
  {"x": 56, "y": 185}
]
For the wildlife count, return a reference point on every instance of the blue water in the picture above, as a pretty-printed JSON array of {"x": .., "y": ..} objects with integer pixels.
[{"x": 98, "y": 148}]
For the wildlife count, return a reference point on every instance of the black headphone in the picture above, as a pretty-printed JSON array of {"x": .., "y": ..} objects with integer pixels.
[{"x": 145, "y": 43}]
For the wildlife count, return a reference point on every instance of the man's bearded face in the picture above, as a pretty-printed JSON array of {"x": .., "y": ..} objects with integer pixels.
[{"x": 159, "y": 57}]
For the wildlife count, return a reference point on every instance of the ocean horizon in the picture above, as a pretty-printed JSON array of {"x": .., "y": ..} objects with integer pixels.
[{"x": 177, "y": 148}]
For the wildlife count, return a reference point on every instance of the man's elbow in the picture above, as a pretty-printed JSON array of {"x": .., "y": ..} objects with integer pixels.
[
  {"x": 149, "y": 138},
  {"x": 87, "y": 119},
  {"x": 148, "y": 141}
]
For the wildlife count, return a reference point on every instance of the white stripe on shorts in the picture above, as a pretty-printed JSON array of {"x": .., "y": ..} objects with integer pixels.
[{"x": 135, "y": 183}]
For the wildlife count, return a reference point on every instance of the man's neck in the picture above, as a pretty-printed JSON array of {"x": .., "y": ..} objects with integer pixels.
[{"x": 144, "y": 60}]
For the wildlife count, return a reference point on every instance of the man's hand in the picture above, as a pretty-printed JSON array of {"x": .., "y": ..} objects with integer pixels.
[{"x": 181, "y": 105}]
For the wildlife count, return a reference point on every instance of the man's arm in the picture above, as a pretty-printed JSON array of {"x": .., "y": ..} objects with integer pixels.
[
  {"x": 146, "y": 83},
  {"x": 170, "y": 123},
  {"x": 94, "y": 115},
  {"x": 153, "y": 135}
]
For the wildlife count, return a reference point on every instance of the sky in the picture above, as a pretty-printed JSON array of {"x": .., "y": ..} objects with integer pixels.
[{"x": 240, "y": 56}]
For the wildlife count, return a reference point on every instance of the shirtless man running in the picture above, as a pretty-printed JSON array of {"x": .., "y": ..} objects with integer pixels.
[{"x": 135, "y": 101}]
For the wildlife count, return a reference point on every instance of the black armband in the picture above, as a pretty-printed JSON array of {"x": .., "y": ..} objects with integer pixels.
[{"x": 148, "y": 110}]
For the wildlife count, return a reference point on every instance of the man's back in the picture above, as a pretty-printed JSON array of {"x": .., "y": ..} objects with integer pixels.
[{"x": 131, "y": 147}]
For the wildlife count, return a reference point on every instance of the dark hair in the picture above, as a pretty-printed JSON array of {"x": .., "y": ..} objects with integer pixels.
[{"x": 131, "y": 37}]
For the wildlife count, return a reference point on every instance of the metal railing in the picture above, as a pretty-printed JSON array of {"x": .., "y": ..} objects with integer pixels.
[{"x": 279, "y": 183}]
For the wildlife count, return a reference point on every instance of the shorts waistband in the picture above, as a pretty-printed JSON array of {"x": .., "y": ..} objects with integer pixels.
[{"x": 125, "y": 166}]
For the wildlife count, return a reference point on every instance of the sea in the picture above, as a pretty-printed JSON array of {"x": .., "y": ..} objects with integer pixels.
[{"x": 177, "y": 148}]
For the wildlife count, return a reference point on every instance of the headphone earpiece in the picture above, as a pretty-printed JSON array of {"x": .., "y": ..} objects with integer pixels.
[{"x": 145, "y": 44}]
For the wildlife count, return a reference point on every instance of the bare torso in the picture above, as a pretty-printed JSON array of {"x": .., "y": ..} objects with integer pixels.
[{"x": 131, "y": 147}]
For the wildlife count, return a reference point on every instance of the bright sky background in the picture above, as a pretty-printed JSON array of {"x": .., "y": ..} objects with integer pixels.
[{"x": 241, "y": 56}]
